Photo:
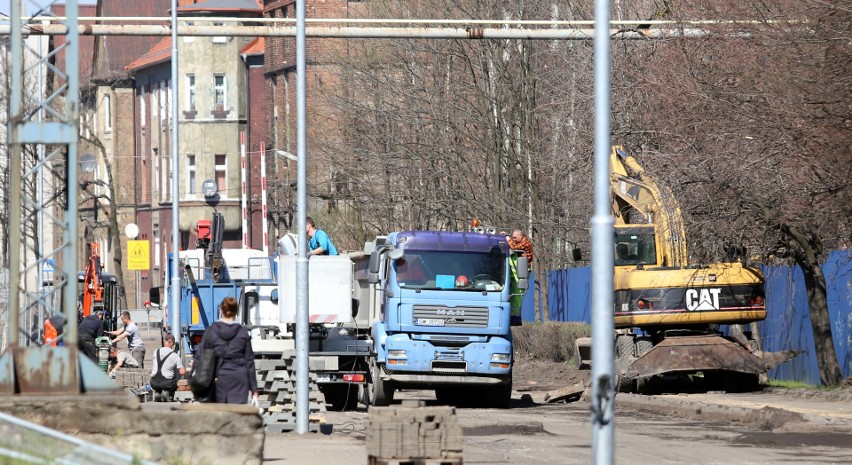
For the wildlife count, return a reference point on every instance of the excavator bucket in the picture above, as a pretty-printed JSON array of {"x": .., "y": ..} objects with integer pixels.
[{"x": 697, "y": 353}]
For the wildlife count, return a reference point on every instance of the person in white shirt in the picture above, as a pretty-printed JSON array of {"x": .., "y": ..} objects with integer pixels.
[
  {"x": 134, "y": 338},
  {"x": 170, "y": 369}
]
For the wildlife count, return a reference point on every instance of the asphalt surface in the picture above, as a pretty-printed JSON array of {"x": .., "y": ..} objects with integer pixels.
[
  {"x": 715, "y": 428},
  {"x": 775, "y": 426}
]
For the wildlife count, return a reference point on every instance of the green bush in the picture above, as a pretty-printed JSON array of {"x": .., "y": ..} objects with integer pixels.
[{"x": 550, "y": 341}]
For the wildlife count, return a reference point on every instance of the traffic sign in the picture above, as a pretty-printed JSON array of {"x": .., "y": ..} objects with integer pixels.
[{"x": 138, "y": 255}]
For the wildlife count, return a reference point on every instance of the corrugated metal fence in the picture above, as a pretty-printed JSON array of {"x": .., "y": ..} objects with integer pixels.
[{"x": 787, "y": 326}]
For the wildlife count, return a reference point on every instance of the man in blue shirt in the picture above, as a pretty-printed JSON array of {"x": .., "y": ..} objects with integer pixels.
[{"x": 320, "y": 243}]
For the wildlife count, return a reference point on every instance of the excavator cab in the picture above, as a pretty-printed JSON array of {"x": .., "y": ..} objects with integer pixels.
[{"x": 635, "y": 246}]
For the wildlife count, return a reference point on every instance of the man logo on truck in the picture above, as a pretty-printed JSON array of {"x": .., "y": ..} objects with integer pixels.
[
  {"x": 450, "y": 312},
  {"x": 702, "y": 299}
]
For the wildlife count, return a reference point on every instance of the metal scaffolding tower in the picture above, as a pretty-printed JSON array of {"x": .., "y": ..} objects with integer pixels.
[{"x": 43, "y": 151}]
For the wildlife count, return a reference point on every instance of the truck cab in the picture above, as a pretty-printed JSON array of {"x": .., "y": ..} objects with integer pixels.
[{"x": 444, "y": 315}]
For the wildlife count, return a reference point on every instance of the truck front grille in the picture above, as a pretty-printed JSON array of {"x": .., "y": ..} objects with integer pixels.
[{"x": 454, "y": 317}]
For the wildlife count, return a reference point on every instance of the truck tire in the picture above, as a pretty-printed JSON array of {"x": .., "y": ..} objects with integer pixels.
[
  {"x": 382, "y": 392},
  {"x": 643, "y": 346},
  {"x": 624, "y": 346}
]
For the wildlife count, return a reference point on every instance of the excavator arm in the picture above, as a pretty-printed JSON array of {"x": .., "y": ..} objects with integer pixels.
[
  {"x": 634, "y": 190},
  {"x": 214, "y": 248},
  {"x": 92, "y": 286}
]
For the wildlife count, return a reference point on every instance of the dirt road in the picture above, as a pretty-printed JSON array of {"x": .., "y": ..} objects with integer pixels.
[{"x": 532, "y": 432}]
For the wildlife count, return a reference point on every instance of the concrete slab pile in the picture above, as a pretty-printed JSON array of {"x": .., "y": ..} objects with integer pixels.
[
  {"x": 276, "y": 385},
  {"x": 413, "y": 435}
]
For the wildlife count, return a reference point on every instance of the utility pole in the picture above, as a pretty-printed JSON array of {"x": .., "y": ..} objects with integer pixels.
[{"x": 603, "y": 380}]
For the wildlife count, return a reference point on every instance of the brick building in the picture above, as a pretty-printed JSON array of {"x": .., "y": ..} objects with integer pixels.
[
  {"x": 325, "y": 130},
  {"x": 106, "y": 150},
  {"x": 220, "y": 96}
]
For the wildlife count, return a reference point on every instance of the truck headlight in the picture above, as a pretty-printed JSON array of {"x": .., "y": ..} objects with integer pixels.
[
  {"x": 501, "y": 358},
  {"x": 397, "y": 354}
]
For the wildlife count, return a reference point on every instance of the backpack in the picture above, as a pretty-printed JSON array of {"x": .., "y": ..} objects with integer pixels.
[
  {"x": 160, "y": 382},
  {"x": 204, "y": 373}
]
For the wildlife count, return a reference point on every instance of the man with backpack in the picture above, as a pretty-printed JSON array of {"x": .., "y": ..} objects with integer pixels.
[{"x": 167, "y": 369}]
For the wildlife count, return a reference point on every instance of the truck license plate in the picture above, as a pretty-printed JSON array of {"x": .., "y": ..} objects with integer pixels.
[
  {"x": 323, "y": 378},
  {"x": 430, "y": 322}
]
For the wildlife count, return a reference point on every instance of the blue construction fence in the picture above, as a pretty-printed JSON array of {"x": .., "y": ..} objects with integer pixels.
[{"x": 787, "y": 325}]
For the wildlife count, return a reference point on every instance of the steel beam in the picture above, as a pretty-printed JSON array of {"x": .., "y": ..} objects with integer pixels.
[{"x": 353, "y": 32}]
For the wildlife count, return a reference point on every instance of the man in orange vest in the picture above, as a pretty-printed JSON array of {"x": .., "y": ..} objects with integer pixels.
[{"x": 53, "y": 328}]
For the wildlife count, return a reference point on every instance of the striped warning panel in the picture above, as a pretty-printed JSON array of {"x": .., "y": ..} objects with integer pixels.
[{"x": 324, "y": 318}]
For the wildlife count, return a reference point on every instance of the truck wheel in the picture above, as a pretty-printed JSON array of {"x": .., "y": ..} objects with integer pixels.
[
  {"x": 643, "y": 346},
  {"x": 624, "y": 346},
  {"x": 382, "y": 390}
]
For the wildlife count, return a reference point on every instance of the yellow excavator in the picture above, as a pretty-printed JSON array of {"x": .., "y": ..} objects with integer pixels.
[{"x": 669, "y": 314}]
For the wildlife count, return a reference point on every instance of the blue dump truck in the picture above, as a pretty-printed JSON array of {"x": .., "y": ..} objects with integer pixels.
[
  {"x": 442, "y": 304},
  {"x": 414, "y": 310}
]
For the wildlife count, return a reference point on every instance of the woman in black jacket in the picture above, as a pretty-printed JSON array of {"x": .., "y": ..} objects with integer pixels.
[{"x": 235, "y": 373}]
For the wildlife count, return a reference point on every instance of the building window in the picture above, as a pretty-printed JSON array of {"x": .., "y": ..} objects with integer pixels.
[
  {"x": 155, "y": 175},
  {"x": 170, "y": 100},
  {"x": 107, "y": 113},
  {"x": 189, "y": 38},
  {"x": 219, "y": 39},
  {"x": 222, "y": 176},
  {"x": 165, "y": 192},
  {"x": 142, "y": 115},
  {"x": 190, "y": 174},
  {"x": 162, "y": 100},
  {"x": 156, "y": 231},
  {"x": 220, "y": 97},
  {"x": 190, "y": 92}
]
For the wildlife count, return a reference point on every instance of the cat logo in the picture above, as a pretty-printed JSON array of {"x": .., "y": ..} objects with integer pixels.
[{"x": 698, "y": 300}]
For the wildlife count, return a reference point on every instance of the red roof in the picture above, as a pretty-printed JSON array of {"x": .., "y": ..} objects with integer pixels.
[
  {"x": 161, "y": 52},
  {"x": 113, "y": 54},
  {"x": 254, "y": 47}
]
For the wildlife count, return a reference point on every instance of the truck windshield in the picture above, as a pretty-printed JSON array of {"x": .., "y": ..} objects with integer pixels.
[
  {"x": 635, "y": 248},
  {"x": 457, "y": 271}
]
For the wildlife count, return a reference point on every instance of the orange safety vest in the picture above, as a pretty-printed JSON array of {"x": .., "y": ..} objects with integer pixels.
[{"x": 50, "y": 334}]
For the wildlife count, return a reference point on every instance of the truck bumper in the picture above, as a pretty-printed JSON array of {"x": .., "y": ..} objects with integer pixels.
[
  {"x": 424, "y": 363},
  {"x": 415, "y": 379}
]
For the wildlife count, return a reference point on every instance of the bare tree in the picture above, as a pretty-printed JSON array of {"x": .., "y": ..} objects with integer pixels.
[{"x": 751, "y": 129}]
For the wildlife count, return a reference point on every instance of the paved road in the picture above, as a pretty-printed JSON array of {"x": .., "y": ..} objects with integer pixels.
[{"x": 536, "y": 433}]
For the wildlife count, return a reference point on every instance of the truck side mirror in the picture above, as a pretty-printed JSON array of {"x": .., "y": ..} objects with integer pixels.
[
  {"x": 523, "y": 284},
  {"x": 373, "y": 270},
  {"x": 578, "y": 254},
  {"x": 523, "y": 268}
]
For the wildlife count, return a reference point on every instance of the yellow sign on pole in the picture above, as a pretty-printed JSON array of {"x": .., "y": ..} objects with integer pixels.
[{"x": 138, "y": 255}]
